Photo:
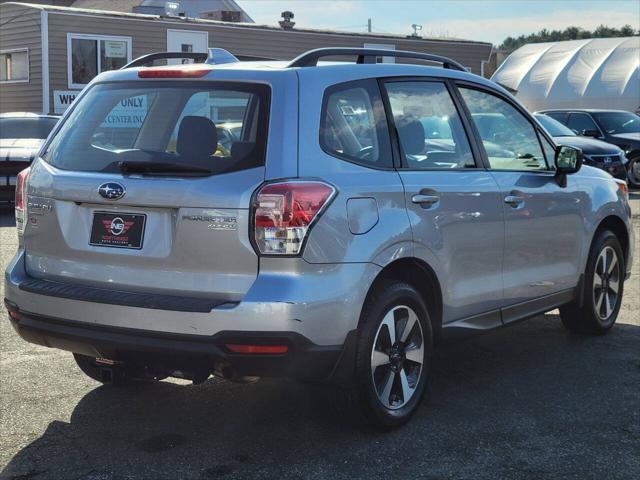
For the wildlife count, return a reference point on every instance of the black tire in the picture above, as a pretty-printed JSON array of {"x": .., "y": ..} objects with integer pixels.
[
  {"x": 361, "y": 401},
  {"x": 116, "y": 376},
  {"x": 633, "y": 167},
  {"x": 593, "y": 317}
]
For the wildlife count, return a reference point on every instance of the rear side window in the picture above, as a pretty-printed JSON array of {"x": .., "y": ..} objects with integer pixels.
[
  {"x": 353, "y": 124},
  {"x": 212, "y": 127},
  {"x": 429, "y": 128}
]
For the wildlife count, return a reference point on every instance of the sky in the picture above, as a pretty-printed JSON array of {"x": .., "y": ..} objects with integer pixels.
[{"x": 490, "y": 21}]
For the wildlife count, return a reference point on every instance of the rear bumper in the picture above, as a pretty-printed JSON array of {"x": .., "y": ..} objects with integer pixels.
[
  {"x": 162, "y": 352},
  {"x": 311, "y": 308}
]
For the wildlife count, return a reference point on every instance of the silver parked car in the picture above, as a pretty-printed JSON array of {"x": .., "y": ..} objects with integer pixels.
[
  {"x": 21, "y": 136},
  {"x": 359, "y": 215}
]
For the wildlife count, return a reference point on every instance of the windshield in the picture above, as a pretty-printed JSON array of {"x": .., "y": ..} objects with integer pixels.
[
  {"x": 554, "y": 127},
  {"x": 36, "y": 127},
  {"x": 164, "y": 127},
  {"x": 618, "y": 122}
]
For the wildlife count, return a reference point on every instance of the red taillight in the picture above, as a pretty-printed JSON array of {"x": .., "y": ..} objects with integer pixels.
[
  {"x": 21, "y": 198},
  {"x": 283, "y": 213},
  {"x": 258, "y": 349},
  {"x": 21, "y": 187},
  {"x": 187, "y": 71}
]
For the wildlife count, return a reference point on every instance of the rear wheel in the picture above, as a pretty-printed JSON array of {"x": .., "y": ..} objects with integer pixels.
[
  {"x": 603, "y": 288},
  {"x": 393, "y": 354}
]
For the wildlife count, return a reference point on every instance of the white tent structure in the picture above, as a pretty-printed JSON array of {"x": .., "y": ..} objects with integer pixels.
[{"x": 595, "y": 73}]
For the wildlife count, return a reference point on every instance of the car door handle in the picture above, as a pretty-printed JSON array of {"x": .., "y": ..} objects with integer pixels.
[
  {"x": 425, "y": 199},
  {"x": 513, "y": 200}
]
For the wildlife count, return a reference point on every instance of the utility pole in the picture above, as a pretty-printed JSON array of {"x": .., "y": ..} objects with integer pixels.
[{"x": 369, "y": 25}]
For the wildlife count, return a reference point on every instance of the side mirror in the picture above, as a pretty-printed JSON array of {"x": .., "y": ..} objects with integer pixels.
[
  {"x": 568, "y": 160},
  {"x": 591, "y": 133}
]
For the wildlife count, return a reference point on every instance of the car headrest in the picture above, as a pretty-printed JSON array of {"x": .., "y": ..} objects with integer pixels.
[
  {"x": 411, "y": 133},
  {"x": 197, "y": 137}
]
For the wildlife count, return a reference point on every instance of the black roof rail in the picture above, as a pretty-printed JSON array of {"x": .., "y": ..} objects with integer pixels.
[
  {"x": 145, "y": 60},
  {"x": 369, "y": 55}
]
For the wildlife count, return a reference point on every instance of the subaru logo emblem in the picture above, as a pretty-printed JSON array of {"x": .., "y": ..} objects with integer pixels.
[{"x": 111, "y": 190}]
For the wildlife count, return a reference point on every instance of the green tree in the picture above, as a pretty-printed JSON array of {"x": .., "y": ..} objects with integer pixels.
[{"x": 570, "y": 33}]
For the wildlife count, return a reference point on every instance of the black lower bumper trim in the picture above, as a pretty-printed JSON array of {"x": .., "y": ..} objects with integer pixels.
[
  {"x": 159, "y": 351},
  {"x": 119, "y": 297}
]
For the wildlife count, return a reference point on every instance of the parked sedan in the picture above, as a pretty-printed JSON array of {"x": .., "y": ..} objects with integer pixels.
[
  {"x": 619, "y": 127},
  {"x": 599, "y": 154},
  {"x": 21, "y": 136}
]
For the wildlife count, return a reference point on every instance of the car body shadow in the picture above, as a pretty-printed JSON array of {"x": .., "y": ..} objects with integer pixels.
[{"x": 528, "y": 401}]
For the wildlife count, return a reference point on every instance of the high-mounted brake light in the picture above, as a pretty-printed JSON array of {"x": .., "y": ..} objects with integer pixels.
[
  {"x": 187, "y": 71},
  {"x": 284, "y": 212},
  {"x": 21, "y": 198}
]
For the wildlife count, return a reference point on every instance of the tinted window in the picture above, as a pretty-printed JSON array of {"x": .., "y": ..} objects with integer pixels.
[
  {"x": 353, "y": 124},
  {"x": 429, "y": 129},
  {"x": 554, "y": 127},
  {"x": 579, "y": 122},
  {"x": 618, "y": 122},
  {"x": 26, "y": 127},
  {"x": 510, "y": 140},
  {"x": 166, "y": 122},
  {"x": 559, "y": 116}
]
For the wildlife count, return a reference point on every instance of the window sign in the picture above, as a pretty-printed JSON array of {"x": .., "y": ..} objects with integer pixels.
[
  {"x": 115, "y": 48},
  {"x": 128, "y": 113}
]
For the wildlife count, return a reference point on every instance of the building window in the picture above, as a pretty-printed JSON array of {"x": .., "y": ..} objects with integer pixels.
[
  {"x": 89, "y": 55},
  {"x": 14, "y": 65}
]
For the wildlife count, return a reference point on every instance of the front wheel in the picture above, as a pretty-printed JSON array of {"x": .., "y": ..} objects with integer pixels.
[
  {"x": 393, "y": 355},
  {"x": 603, "y": 288},
  {"x": 633, "y": 169}
]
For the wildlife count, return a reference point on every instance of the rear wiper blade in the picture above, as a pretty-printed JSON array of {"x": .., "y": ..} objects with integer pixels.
[{"x": 160, "y": 167}]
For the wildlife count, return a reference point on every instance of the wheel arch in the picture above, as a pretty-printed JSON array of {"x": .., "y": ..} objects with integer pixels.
[
  {"x": 619, "y": 228},
  {"x": 423, "y": 278}
]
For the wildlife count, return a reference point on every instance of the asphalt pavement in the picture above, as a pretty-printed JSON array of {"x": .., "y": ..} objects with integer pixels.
[{"x": 528, "y": 401}]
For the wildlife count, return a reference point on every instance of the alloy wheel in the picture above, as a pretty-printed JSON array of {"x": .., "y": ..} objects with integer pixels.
[
  {"x": 397, "y": 357},
  {"x": 606, "y": 283}
]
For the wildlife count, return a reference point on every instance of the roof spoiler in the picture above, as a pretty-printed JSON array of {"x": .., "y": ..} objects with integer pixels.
[
  {"x": 370, "y": 55},
  {"x": 216, "y": 56}
]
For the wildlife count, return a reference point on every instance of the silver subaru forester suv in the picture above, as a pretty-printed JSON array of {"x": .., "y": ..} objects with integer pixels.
[{"x": 353, "y": 214}]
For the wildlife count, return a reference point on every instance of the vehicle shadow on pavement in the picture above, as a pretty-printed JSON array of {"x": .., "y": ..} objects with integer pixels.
[{"x": 531, "y": 400}]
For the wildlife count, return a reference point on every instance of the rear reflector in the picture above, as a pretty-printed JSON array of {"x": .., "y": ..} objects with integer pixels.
[
  {"x": 257, "y": 349},
  {"x": 174, "y": 72}
]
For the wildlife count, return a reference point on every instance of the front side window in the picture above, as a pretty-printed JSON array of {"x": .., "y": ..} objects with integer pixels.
[
  {"x": 164, "y": 126},
  {"x": 353, "y": 125},
  {"x": 89, "y": 56},
  {"x": 429, "y": 129},
  {"x": 581, "y": 123},
  {"x": 509, "y": 139},
  {"x": 14, "y": 66}
]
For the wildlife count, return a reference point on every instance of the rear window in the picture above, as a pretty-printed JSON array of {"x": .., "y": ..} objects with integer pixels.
[
  {"x": 26, "y": 127},
  {"x": 209, "y": 127}
]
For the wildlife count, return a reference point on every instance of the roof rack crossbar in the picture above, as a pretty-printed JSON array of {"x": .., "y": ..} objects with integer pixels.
[
  {"x": 145, "y": 60},
  {"x": 369, "y": 55}
]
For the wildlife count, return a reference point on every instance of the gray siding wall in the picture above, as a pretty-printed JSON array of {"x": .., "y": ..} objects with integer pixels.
[
  {"x": 21, "y": 29},
  {"x": 151, "y": 36}
]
